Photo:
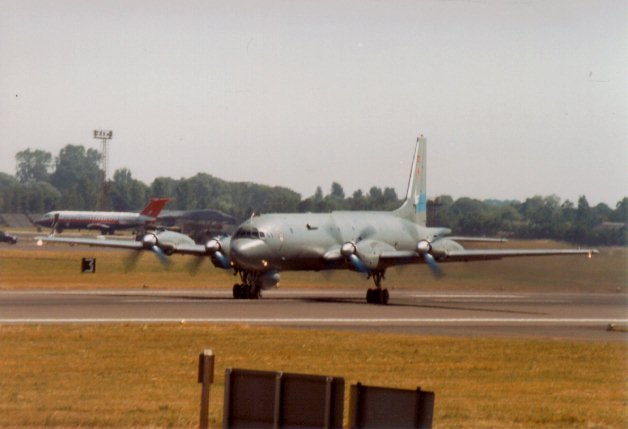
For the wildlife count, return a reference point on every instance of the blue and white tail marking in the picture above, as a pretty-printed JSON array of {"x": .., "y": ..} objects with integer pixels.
[{"x": 414, "y": 207}]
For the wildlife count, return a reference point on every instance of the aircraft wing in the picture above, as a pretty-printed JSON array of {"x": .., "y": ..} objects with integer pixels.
[
  {"x": 100, "y": 226},
  {"x": 478, "y": 239},
  {"x": 487, "y": 254},
  {"x": 183, "y": 248},
  {"x": 190, "y": 249},
  {"x": 464, "y": 255},
  {"x": 99, "y": 242}
]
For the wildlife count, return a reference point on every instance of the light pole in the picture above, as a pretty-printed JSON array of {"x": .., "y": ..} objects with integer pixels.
[{"x": 104, "y": 136}]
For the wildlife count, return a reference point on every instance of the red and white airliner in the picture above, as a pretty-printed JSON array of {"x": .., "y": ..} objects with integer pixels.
[{"x": 106, "y": 222}]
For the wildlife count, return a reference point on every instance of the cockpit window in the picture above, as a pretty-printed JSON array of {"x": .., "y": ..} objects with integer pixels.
[{"x": 249, "y": 233}]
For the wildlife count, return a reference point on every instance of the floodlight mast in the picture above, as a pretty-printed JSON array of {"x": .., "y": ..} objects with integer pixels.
[{"x": 104, "y": 136}]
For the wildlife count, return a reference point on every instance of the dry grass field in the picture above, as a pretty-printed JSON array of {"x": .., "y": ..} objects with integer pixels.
[{"x": 145, "y": 375}]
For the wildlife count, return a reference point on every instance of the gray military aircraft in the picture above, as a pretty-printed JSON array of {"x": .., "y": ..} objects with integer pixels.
[{"x": 367, "y": 242}]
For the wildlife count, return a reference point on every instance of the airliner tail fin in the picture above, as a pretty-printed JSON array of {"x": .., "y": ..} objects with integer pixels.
[
  {"x": 414, "y": 207},
  {"x": 154, "y": 206}
]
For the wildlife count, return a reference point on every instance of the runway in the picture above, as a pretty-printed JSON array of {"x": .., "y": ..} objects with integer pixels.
[{"x": 575, "y": 316}]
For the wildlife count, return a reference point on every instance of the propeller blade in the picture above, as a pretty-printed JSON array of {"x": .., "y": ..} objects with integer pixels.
[
  {"x": 424, "y": 249},
  {"x": 358, "y": 264},
  {"x": 366, "y": 233},
  {"x": 163, "y": 258},
  {"x": 195, "y": 264},
  {"x": 334, "y": 231},
  {"x": 222, "y": 259},
  {"x": 131, "y": 260},
  {"x": 431, "y": 262}
]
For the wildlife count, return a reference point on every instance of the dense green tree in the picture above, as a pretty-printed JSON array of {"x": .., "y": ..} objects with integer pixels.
[
  {"x": 8, "y": 186},
  {"x": 127, "y": 193},
  {"x": 78, "y": 177},
  {"x": 472, "y": 217},
  {"x": 163, "y": 187},
  {"x": 439, "y": 211},
  {"x": 336, "y": 191},
  {"x": 336, "y": 198},
  {"x": 38, "y": 197},
  {"x": 389, "y": 199},
  {"x": 74, "y": 184},
  {"x": 621, "y": 211},
  {"x": 357, "y": 201},
  {"x": 33, "y": 166}
]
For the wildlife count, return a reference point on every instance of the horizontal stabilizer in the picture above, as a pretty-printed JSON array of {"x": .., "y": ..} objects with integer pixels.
[{"x": 479, "y": 239}]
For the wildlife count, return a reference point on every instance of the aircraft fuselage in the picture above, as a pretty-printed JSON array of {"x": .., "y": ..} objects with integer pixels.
[
  {"x": 92, "y": 220},
  {"x": 301, "y": 241}
]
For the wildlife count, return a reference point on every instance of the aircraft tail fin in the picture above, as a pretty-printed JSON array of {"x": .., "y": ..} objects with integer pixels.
[
  {"x": 414, "y": 207},
  {"x": 154, "y": 206}
]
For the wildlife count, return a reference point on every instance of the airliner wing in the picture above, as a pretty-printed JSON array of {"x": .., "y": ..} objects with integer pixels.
[
  {"x": 487, "y": 254},
  {"x": 190, "y": 249},
  {"x": 100, "y": 226},
  {"x": 182, "y": 248},
  {"x": 469, "y": 255},
  {"x": 99, "y": 242}
]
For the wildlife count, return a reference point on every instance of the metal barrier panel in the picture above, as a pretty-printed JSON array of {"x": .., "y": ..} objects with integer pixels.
[
  {"x": 262, "y": 399},
  {"x": 311, "y": 401},
  {"x": 249, "y": 399},
  {"x": 379, "y": 407}
]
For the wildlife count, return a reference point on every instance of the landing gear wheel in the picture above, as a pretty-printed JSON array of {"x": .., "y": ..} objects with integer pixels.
[
  {"x": 238, "y": 291},
  {"x": 243, "y": 291},
  {"x": 377, "y": 296},
  {"x": 253, "y": 292},
  {"x": 384, "y": 295}
]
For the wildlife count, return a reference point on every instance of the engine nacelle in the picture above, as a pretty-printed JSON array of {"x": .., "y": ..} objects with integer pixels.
[
  {"x": 149, "y": 241},
  {"x": 218, "y": 252},
  {"x": 213, "y": 246},
  {"x": 268, "y": 280},
  {"x": 348, "y": 249},
  {"x": 423, "y": 247}
]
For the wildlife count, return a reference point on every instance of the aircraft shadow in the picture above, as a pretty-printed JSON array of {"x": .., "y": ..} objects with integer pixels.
[{"x": 329, "y": 300}]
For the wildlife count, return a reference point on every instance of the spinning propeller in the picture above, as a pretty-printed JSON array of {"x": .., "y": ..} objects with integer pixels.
[
  {"x": 149, "y": 242},
  {"x": 349, "y": 249},
  {"x": 214, "y": 248},
  {"x": 424, "y": 249}
]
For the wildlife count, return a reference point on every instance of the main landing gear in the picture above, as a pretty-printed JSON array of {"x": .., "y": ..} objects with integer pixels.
[
  {"x": 249, "y": 288},
  {"x": 377, "y": 295}
]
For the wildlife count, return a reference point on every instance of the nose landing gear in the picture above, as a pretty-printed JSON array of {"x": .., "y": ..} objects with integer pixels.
[
  {"x": 250, "y": 288},
  {"x": 244, "y": 291}
]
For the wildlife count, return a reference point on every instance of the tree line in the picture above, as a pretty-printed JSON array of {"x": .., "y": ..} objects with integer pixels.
[{"x": 73, "y": 180}]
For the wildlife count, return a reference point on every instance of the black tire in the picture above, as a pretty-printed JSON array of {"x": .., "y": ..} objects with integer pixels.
[
  {"x": 384, "y": 296},
  {"x": 253, "y": 292},
  {"x": 237, "y": 291}
]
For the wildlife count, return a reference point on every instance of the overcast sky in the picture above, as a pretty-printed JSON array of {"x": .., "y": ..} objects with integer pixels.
[{"x": 516, "y": 98}]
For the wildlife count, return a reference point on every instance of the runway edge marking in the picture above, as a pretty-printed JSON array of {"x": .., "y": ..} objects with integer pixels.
[{"x": 319, "y": 321}]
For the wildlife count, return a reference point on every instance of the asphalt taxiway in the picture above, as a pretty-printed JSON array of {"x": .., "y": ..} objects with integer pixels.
[{"x": 597, "y": 317}]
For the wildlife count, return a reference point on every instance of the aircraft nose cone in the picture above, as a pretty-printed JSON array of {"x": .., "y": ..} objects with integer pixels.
[{"x": 250, "y": 254}]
